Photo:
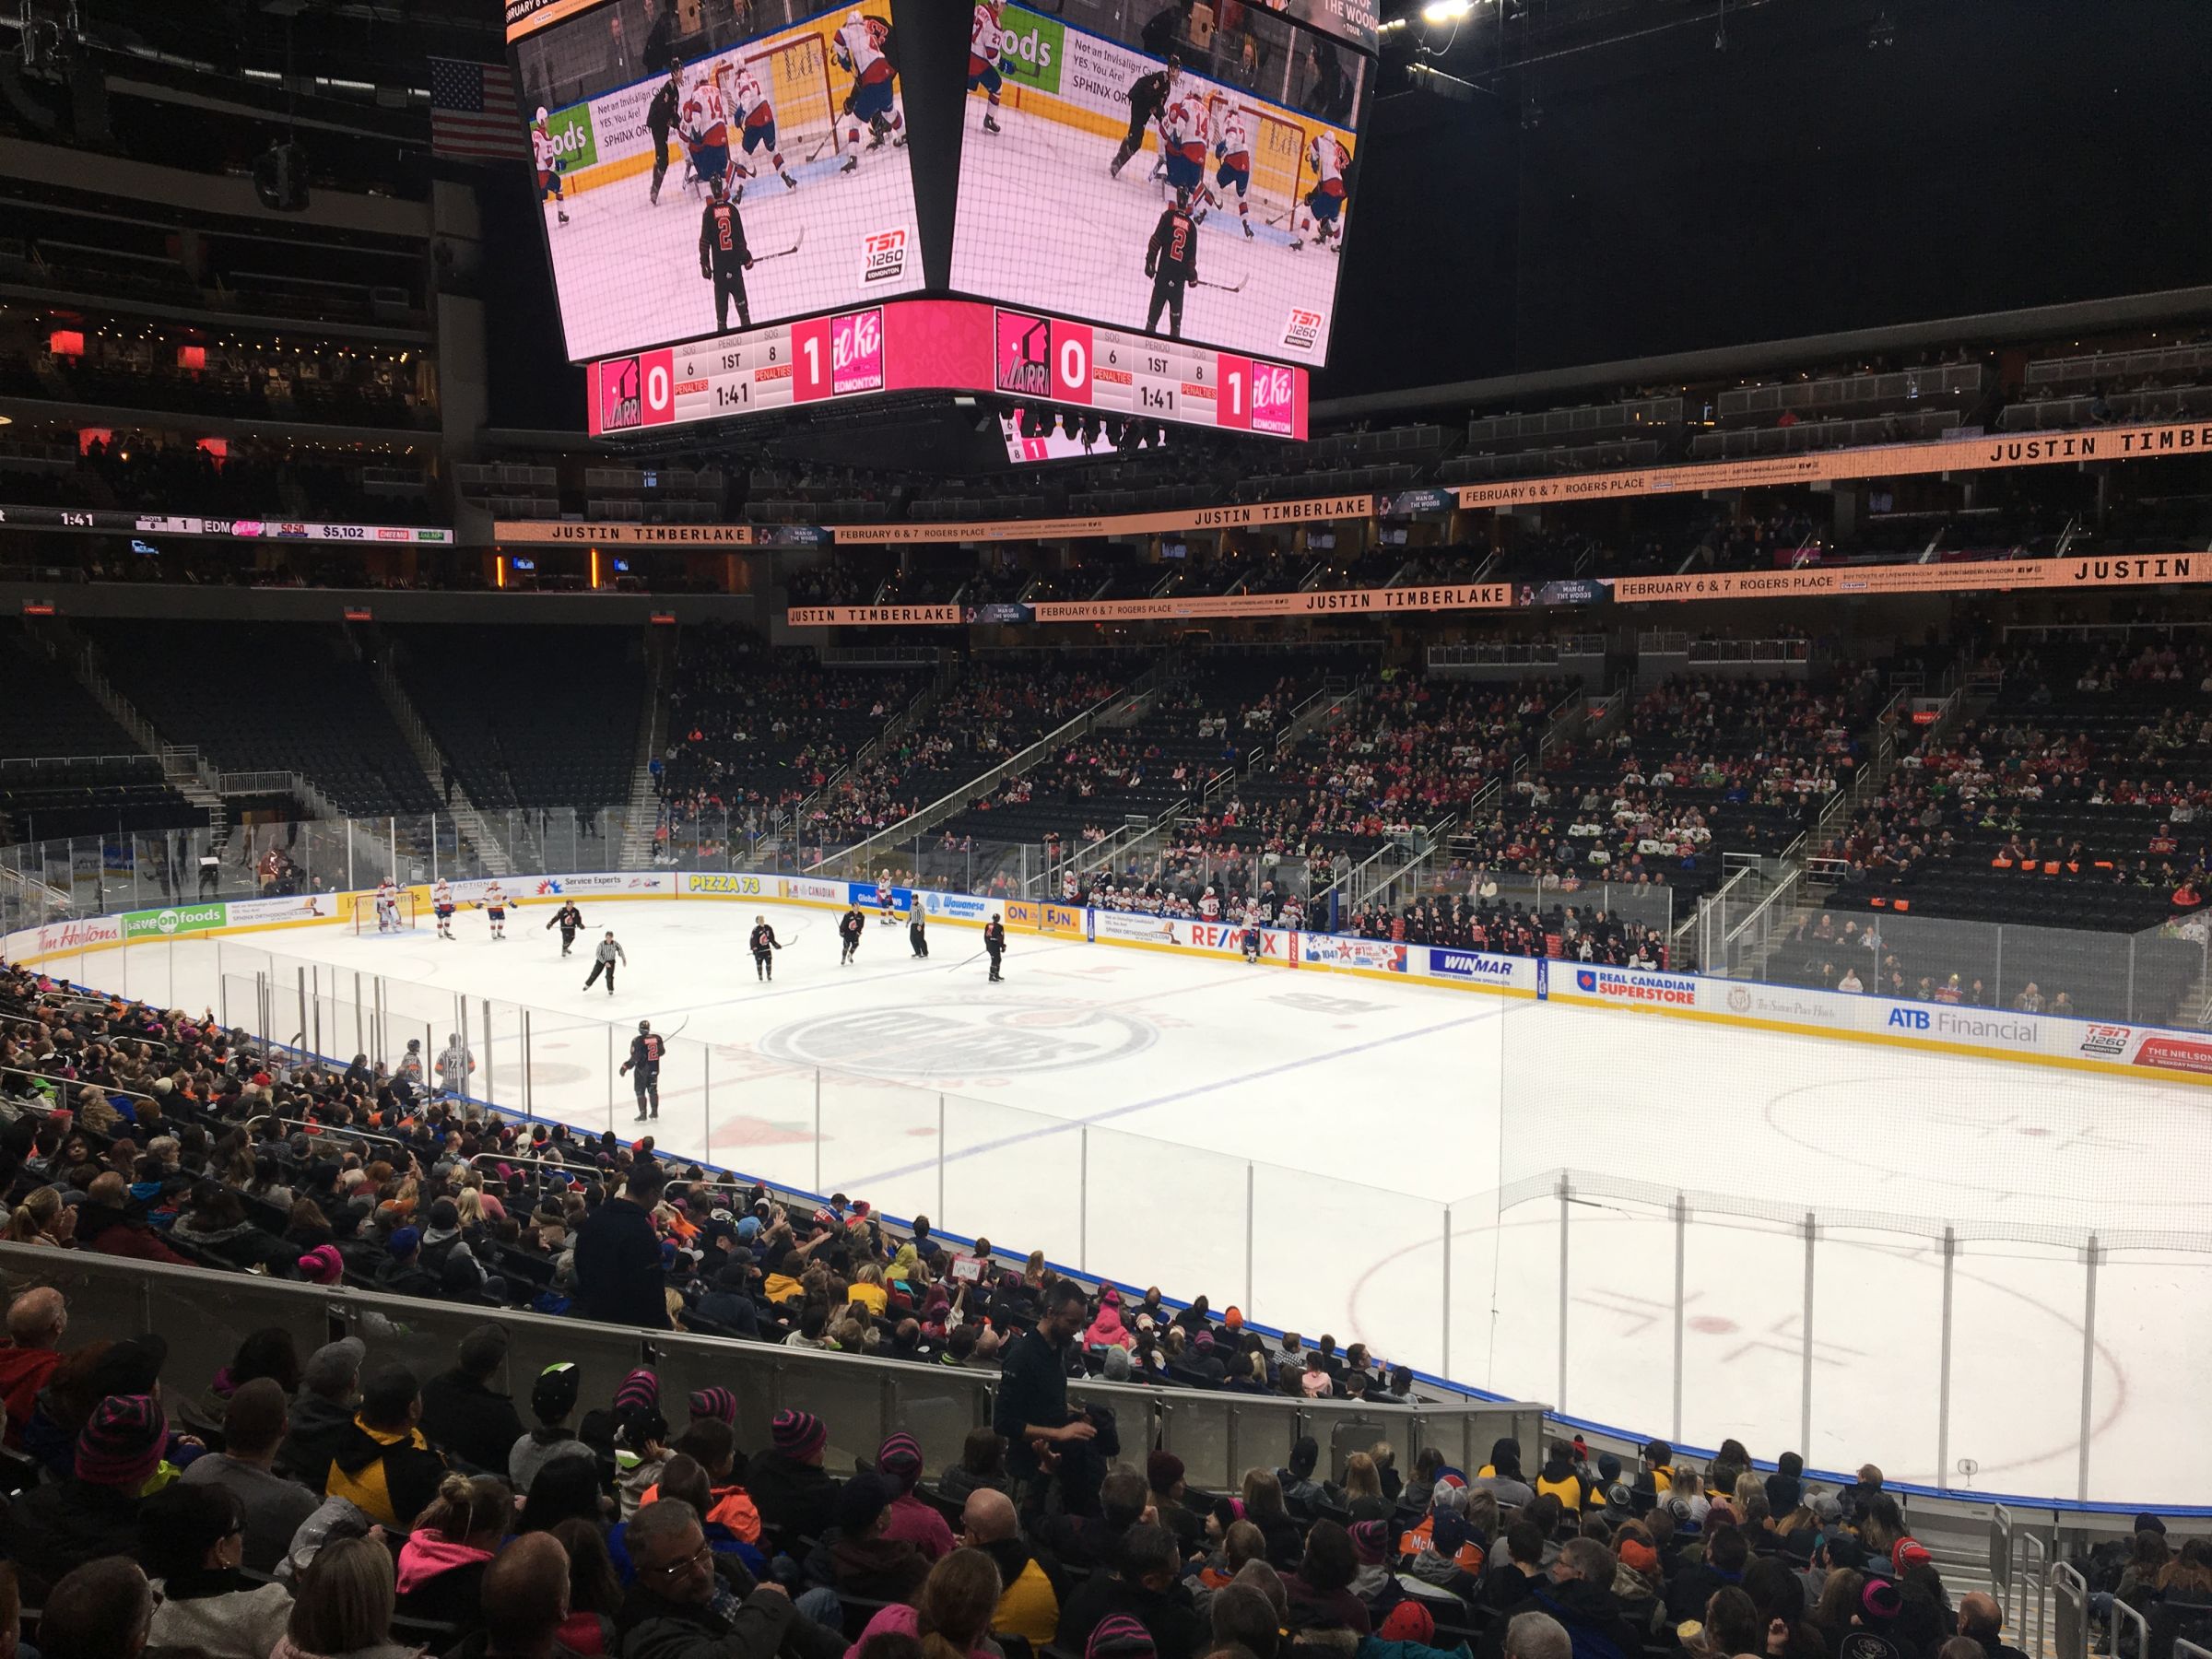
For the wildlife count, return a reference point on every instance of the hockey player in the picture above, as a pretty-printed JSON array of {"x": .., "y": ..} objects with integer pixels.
[
  {"x": 604, "y": 955},
  {"x": 442, "y": 904},
  {"x": 1147, "y": 97},
  {"x": 1326, "y": 159},
  {"x": 764, "y": 945},
  {"x": 1209, "y": 907},
  {"x": 1182, "y": 139},
  {"x": 406, "y": 1076},
  {"x": 886, "y": 913},
  {"x": 707, "y": 131},
  {"x": 984, "y": 38},
  {"x": 917, "y": 929},
  {"x": 1070, "y": 888},
  {"x": 1172, "y": 261},
  {"x": 548, "y": 158},
  {"x": 661, "y": 116},
  {"x": 757, "y": 118},
  {"x": 454, "y": 1066},
  {"x": 850, "y": 926},
  {"x": 994, "y": 944},
  {"x": 645, "y": 1050},
  {"x": 1232, "y": 148},
  {"x": 724, "y": 258},
  {"x": 387, "y": 906},
  {"x": 1294, "y": 914},
  {"x": 860, "y": 47},
  {"x": 1251, "y": 933},
  {"x": 569, "y": 920},
  {"x": 495, "y": 910}
]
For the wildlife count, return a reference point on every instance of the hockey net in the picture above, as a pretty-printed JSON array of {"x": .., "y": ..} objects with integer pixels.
[
  {"x": 796, "y": 76},
  {"x": 1278, "y": 155},
  {"x": 365, "y": 912}
]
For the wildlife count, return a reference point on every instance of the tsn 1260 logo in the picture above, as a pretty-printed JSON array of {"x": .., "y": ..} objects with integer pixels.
[{"x": 883, "y": 256}]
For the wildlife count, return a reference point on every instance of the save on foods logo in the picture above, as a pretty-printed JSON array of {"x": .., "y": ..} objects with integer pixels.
[
  {"x": 574, "y": 142},
  {"x": 1030, "y": 49},
  {"x": 168, "y": 923}
]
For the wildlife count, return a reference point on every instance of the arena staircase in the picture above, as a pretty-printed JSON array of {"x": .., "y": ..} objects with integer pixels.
[
  {"x": 471, "y": 823},
  {"x": 181, "y": 767},
  {"x": 642, "y": 815}
]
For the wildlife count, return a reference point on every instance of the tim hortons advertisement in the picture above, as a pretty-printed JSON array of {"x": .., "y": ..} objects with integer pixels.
[{"x": 59, "y": 938}]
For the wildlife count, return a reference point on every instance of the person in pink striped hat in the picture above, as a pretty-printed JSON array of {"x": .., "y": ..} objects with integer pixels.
[{"x": 911, "y": 1518}]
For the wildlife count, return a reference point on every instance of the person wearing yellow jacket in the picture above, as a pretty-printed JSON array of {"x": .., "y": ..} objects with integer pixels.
[{"x": 384, "y": 1465}]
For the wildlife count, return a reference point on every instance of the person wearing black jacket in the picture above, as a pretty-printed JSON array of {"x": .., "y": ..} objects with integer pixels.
[
  {"x": 1172, "y": 261},
  {"x": 567, "y": 918},
  {"x": 619, "y": 1273},
  {"x": 645, "y": 1051},
  {"x": 724, "y": 258},
  {"x": 849, "y": 928},
  {"x": 995, "y": 944},
  {"x": 1147, "y": 97},
  {"x": 1142, "y": 1585},
  {"x": 660, "y": 117},
  {"x": 787, "y": 1483},
  {"x": 1579, "y": 1594},
  {"x": 764, "y": 945},
  {"x": 462, "y": 1413}
]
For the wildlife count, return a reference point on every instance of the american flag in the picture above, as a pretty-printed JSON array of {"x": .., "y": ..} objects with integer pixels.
[{"x": 472, "y": 117}]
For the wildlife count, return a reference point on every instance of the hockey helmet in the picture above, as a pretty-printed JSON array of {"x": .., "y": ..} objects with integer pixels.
[
  {"x": 644, "y": 1025},
  {"x": 541, "y": 117}
]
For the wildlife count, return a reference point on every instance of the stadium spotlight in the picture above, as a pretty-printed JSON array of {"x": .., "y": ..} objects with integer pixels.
[{"x": 1446, "y": 11}]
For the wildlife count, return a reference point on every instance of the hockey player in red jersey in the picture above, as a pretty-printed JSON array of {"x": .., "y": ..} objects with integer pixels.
[
  {"x": 860, "y": 44},
  {"x": 548, "y": 162},
  {"x": 757, "y": 117},
  {"x": 984, "y": 38}
]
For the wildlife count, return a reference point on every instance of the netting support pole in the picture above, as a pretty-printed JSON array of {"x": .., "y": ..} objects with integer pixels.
[
  {"x": 1445, "y": 1368},
  {"x": 940, "y": 1217},
  {"x": 529, "y": 1097},
  {"x": 1566, "y": 1190},
  {"x": 1083, "y": 1204},
  {"x": 2089, "y": 1362},
  {"x": 1251, "y": 1181},
  {"x": 1681, "y": 1209},
  {"x": 1804, "y": 1409},
  {"x": 818, "y": 1130},
  {"x": 1943, "y": 1376}
]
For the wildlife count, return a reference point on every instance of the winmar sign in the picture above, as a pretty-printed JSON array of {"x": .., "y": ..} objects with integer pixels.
[{"x": 168, "y": 923}]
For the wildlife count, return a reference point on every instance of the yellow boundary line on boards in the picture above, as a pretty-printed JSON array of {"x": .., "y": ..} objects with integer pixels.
[{"x": 2112, "y": 1068}]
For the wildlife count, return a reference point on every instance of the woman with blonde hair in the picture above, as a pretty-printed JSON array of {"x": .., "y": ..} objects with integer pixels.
[
  {"x": 441, "y": 1564},
  {"x": 42, "y": 1218},
  {"x": 345, "y": 1605},
  {"x": 958, "y": 1602},
  {"x": 1363, "y": 1489}
]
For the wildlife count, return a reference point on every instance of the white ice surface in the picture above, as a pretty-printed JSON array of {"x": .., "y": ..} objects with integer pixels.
[
  {"x": 628, "y": 270},
  {"x": 1040, "y": 223},
  {"x": 1358, "y": 1109}
]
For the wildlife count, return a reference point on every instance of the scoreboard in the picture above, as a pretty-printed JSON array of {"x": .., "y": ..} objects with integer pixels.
[{"x": 945, "y": 346}]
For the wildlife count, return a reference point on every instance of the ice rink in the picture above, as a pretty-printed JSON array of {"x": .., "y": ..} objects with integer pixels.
[
  {"x": 1040, "y": 222},
  {"x": 627, "y": 269},
  {"x": 1299, "y": 1143}
]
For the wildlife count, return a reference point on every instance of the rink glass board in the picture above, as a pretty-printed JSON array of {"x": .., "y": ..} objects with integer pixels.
[
  {"x": 1042, "y": 221},
  {"x": 626, "y": 269}
]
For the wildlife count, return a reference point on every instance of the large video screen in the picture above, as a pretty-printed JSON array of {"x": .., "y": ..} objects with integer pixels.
[
  {"x": 1093, "y": 161},
  {"x": 674, "y": 141}
]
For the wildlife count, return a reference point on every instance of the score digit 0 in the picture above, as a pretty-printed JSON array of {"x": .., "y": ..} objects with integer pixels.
[{"x": 1073, "y": 364}]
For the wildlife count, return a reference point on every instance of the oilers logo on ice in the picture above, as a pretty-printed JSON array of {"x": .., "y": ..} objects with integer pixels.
[
  {"x": 883, "y": 256},
  {"x": 945, "y": 1040}
]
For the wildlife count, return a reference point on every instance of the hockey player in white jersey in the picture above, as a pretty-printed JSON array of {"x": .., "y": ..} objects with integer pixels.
[
  {"x": 548, "y": 156},
  {"x": 757, "y": 125},
  {"x": 1325, "y": 159},
  {"x": 707, "y": 131},
  {"x": 1209, "y": 907},
  {"x": 442, "y": 905},
  {"x": 1182, "y": 138},
  {"x": 1232, "y": 149},
  {"x": 495, "y": 910},
  {"x": 387, "y": 906},
  {"x": 984, "y": 38},
  {"x": 873, "y": 103}
]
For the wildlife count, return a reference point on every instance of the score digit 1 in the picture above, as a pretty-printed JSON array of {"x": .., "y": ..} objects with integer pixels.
[
  {"x": 1232, "y": 393},
  {"x": 1071, "y": 363},
  {"x": 811, "y": 369}
]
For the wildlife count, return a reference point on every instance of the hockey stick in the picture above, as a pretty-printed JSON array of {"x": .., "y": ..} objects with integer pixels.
[
  {"x": 783, "y": 253},
  {"x": 829, "y": 138},
  {"x": 976, "y": 958},
  {"x": 1237, "y": 288},
  {"x": 668, "y": 1037}
]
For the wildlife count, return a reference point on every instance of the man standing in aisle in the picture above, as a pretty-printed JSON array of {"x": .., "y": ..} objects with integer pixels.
[
  {"x": 618, "y": 1272},
  {"x": 603, "y": 961},
  {"x": 1032, "y": 1408},
  {"x": 994, "y": 944},
  {"x": 569, "y": 920},
  {"x": 645, "y": 1050}
]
